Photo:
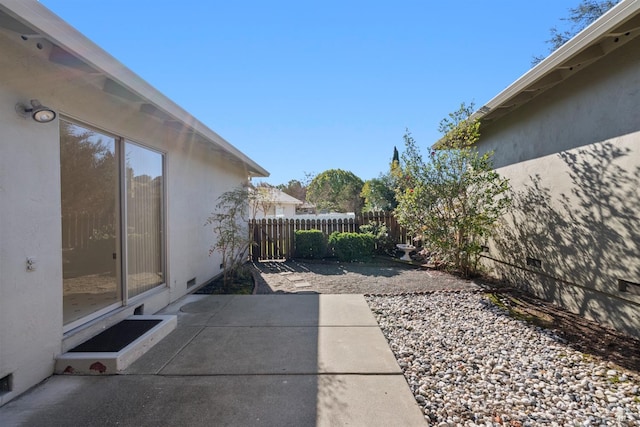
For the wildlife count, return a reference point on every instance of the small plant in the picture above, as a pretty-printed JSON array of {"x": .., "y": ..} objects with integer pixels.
[
  {"x": 229, "y": 223},
  {"x": 310, "y": 244},
  {"x": 352, "y": 246}
]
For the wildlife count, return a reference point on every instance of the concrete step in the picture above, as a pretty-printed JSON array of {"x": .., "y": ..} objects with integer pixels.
[{"x": 102, "y": 354}]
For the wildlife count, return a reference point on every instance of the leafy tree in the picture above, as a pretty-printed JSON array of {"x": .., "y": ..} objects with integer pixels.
[
  {"x": 379, "y": 194},
  {"x": 453, "y": 199},
  {"x": 579, "y": 18},
  {"x": 294, "y": 188},
  {"x": 88, "y": 166},
  {"x": 336, "y": 190}
]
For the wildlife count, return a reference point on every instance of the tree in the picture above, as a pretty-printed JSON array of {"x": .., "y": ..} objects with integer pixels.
[
  {"x": 379, "y": 194},
  {"x": 261, "y": 199},
  {"x": 453, "y": 199},
  {"x": 336, "y": 190},
  {"x": 230, "y": 226},
  {"x": 89, "y": 173},
  {"x": 294, "y": 188},
  {"x": 579, "y": 17}
]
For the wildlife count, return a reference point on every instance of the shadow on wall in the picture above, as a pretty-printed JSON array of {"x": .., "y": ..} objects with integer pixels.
[{"x": 572, "y": 248}]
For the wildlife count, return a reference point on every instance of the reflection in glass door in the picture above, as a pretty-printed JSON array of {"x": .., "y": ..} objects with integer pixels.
[
  {"x": 90, "y": 240},
  {"x": 144, "y": 201}
]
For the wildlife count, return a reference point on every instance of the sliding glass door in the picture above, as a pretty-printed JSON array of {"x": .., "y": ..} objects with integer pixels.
[
  {"x": 112, "y": 221},
  {"x": 90, "y": 188}
]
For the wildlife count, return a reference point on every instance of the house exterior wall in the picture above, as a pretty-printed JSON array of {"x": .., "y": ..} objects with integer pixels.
[
  {"x": 573, "y": 157},
  {"x": 31, "y": 302}
]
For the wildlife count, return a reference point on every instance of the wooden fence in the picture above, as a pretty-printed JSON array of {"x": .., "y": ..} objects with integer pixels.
[{"x": 275, "y": 238}]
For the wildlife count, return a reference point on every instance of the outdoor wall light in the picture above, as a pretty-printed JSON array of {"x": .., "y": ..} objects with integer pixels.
[{"x": 38, "y": 112}]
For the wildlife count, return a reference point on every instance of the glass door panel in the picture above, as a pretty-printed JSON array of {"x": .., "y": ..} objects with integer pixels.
[
  {"x": 144, "y": 206},
  {"x": 89, "y": 175}
]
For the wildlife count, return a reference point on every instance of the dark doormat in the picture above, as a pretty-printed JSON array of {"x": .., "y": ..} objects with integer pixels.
[{"x": 116, "y": 337}]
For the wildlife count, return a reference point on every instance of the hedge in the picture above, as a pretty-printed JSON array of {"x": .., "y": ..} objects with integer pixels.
[
  {"x": 309, "y": 244},
  {"x": 352, "y": 246}
]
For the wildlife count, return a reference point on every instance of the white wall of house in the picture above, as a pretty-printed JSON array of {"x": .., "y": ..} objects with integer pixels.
[
  {"x": 277, "y": 210},
  {"x": 573, "y": 157},
  {"x": 31, "y": 302}
]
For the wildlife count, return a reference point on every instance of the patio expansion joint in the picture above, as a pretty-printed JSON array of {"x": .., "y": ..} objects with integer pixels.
[
  {"x": 282, "y": 374},
  {"x": 287, "y": 326},
  {"x": 176, "y": 353}
]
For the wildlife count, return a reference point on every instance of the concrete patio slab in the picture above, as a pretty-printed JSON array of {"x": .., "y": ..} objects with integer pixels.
[
  {"x": 358, "y": 350},
  {"x": 153, "y": 361},
  {"x": 167, "y": 401},
  {"x": 273, "y": 310},
  {"x": 303, "y": 360},
  {"x": 345, "y": 310},
  {"x": 245, "y": 351},
  {"x": 273, "y": 400},
  {"x": 366, "y": 400}
]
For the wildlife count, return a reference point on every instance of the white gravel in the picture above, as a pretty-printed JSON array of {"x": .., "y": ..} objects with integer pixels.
[{"x": 468, "y": 363}]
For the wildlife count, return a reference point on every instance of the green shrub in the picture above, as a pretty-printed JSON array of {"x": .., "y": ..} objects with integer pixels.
[
  {"x": 384, "y": 244},
  {"x": 352, "y": 246},
  {"x": 310, "y": 244}
]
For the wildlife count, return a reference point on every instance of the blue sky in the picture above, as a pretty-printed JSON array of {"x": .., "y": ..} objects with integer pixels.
[{"x": 306, "y": 86}]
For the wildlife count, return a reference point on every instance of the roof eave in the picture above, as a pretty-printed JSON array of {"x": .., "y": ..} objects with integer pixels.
[
  {"x": 64, "y": 36},
  {"x": 613, "y": 29}
]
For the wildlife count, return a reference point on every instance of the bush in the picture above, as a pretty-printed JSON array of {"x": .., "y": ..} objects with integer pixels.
[
  {"x": 384, "y": 244},
  {"x": 310, "y": 244},
  {"x": 352, "y": 246}
]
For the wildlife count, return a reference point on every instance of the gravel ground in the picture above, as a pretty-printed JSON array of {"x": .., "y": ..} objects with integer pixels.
[
  {"x": 469, "y": 363},
  {"x": 332, "y": 277}
]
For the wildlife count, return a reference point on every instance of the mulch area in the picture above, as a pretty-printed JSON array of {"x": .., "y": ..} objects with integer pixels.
[{"x": 386, "y": 276}]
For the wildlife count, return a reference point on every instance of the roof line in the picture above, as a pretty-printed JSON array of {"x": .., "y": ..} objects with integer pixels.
[
  {"x": 558, "y": 59},
  {"x": 49, "y": 25}
]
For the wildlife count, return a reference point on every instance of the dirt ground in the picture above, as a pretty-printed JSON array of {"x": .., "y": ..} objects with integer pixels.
[{"x": 386, "y": 276}]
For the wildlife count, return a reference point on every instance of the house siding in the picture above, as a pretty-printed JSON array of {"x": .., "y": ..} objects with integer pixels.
[{"x": 573, "y": 157}]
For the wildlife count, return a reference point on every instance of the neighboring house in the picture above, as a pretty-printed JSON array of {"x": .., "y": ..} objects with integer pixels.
[
  {"x": 567, "y": 135},
  {"x": 271, "y": 202},
  {"x": 102, "y": 209}
]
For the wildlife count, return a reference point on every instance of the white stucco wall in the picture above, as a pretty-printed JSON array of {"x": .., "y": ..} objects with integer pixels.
[
  {"x": 279, "y": 210},
  {"x": 31, "y": 332},
  {"x": 573, "y": 158}
]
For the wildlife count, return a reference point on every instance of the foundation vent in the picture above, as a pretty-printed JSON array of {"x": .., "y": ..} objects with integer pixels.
[
  {"x": 628, "y": 287},
  {"x": 6, "y": 384},
  {"x": 191, "y": 282},
  {"x": 533, "y": 262}
]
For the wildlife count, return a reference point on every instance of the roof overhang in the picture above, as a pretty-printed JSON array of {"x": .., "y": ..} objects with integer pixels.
[
  {"x": 70, "y": 48},
  {"x": 609, "y": 32}
]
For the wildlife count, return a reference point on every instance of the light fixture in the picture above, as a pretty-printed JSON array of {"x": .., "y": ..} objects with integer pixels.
[{"x": 38, "y": 112}]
